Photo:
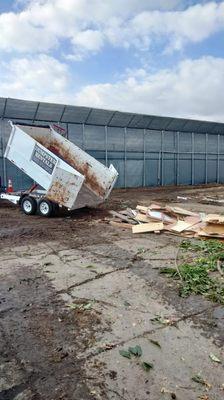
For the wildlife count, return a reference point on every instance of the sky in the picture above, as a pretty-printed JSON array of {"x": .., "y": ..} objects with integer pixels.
[{"x": 160, "y": 57}]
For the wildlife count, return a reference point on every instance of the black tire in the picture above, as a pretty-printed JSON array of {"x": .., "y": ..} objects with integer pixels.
[
  {"x": 45, "y": 208},
  {"x": 28, "y": 205},
  {"x": 56, "y": 209}
]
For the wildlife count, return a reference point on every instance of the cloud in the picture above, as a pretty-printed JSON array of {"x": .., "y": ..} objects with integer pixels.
[
  {"x": 18, "y": 34},
  {"x": 43, "y": 25},
  {"x": 38, "y": 78},
  {"x": 85, "y": 42},
  {"x": 192, "y": 89},
  {"x": 178, "y": 28}
]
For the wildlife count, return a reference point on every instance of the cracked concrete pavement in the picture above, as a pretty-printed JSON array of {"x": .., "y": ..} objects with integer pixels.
[{"x": 54, "y": 348}]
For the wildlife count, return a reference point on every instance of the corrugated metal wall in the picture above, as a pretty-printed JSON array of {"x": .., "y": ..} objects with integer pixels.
[{"x": 142, "y": 157}]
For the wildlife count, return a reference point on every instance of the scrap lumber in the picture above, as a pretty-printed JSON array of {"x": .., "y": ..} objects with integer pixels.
[
  {"x": 194, "y": 220},
  {"x": 123, "y": 217},
  {"x": 157, "y": 206},
  {"x": 158, "y": 215},
  {"x": 180, "y": 226},
  {"x": 180, "y": 211},
  {"x": 175, "y": 220},
  {"x": 143, "y": 209},
  {"x": 214, "y": 219},
  {"x": 149, "y": 227},
  {"x": 142, "y": 218},
  {"x": 214, "y": 229}
]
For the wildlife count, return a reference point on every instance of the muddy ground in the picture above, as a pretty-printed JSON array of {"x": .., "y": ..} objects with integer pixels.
[{"x": 74, "y": 291}]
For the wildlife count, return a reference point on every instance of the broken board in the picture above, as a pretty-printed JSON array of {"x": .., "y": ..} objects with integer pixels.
[{"x": 148, "y": 227}]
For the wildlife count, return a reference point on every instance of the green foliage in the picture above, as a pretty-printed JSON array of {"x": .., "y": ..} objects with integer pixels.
[
  {"x": 147, "y": 366},
  {"x": 196, "y": 275},
  {"x": 125, "y": 353},
  {"x": 136, "y": 351},
  {"x": 198, "y": 379},
  {"x": 207, "y": 246},
  {"x": 155, "y": 342}
]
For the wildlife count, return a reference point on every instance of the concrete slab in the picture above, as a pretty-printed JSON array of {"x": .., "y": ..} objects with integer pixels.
[{"x": 184, "y": 353}]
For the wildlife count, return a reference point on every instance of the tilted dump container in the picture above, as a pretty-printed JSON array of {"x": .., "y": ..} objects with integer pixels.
[{"x": 70, "y": 177}]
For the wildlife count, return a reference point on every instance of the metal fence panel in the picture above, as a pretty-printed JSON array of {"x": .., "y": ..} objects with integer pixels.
[
  {"x": 143, "y": 157},
  {"x": 119, "y": 165},
  {"x": 75, "y": 134},
  {"x": 152, "y": 141},
  {"x": 184, "y": 159},
  {"x": 94, "y": 138},
  {"x": 152, "y": 170},
  {"x": 134, "y": 173},
  {"x": 212, "y": 168},
  {"x": 184, "y": 170},
  {"x": 116, "y": 152},
  {"x": 168, "y": 167}
]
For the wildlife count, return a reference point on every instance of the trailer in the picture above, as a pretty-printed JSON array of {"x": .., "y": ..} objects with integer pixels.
[{"x": 67, "y": 175}]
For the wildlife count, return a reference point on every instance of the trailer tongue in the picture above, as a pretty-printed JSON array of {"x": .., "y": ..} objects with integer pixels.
[{"x": 69, "y": 176}]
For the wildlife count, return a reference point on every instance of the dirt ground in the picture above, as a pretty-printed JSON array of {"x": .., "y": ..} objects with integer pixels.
[{"x": 74, "y": 291}]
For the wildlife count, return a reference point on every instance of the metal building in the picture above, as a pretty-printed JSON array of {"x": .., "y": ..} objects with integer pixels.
[{"x": 146, "y": 150}]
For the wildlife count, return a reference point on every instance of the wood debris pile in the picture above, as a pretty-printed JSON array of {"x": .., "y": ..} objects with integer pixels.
[{"x": 175, "y": 220}]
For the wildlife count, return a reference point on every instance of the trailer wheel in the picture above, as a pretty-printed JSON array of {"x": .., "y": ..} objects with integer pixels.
[
  {"x": 45, "y": 208},
  {"x": 56, "y": 209},
  {"x": 28, "y": 205}
]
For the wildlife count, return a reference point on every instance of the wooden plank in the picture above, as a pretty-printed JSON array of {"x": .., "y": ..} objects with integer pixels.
[
  {"x": 157, "y": 206},
  {"x": 214, "y": 219},
  {"x": 142, "y": 218},
  {"x": 181, "y": 211},
  {"x": 153, "y": 206},
  {"x": 143, "y": 209},
  {"x": 214, "y": 229},
  {"x": 122, "y": 217},
  {"x": 149, "y": 227},
  {"x": 193, "y": 220},
  {"x": 180, "y": 226},
  {"x": 210, "y": 235}
]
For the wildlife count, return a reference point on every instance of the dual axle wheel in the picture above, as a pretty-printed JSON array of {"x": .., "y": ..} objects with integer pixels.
[{"x": 43, "y": 207}]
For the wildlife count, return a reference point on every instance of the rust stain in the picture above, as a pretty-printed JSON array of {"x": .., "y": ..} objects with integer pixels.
[
  {"x": 84, "y": 168},
  {"x": 58, "y": 193}
]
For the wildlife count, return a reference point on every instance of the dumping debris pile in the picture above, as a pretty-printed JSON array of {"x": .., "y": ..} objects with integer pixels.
[{"x": 175, "y": 220}]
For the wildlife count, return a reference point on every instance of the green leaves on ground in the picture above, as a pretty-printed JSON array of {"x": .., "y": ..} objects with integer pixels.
[
  {"x": 125, "y": 353},
  {"x": 196, "y": 275},
  {"x": 147, "y": 366},
  {"x": 136, "y": 351},
  {"x": 198, "y": 379},
  {"x": 155, "y": 343}
]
